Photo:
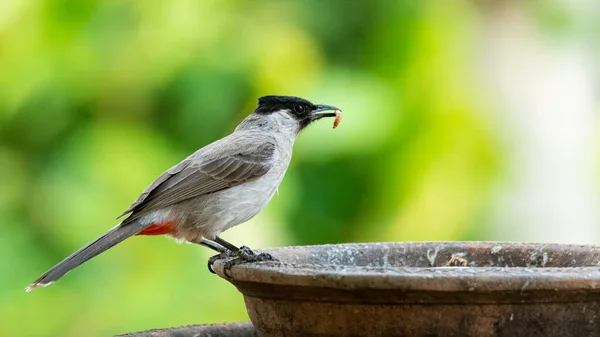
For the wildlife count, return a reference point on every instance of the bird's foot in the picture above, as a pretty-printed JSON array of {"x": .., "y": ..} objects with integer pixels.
[
  {"x": 242, "y": 255},
  {"x": 246, "y": 255},
  {"x": 226, "y": 254}
]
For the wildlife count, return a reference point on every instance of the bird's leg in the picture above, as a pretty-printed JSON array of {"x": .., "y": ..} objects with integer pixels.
[
  {"x": 223, "y": 252},
  {"x": 226, "y": 244},
  {"x": 228, "y": 250},
  {"x": 212, "y": 245},
  {"x": 240, "y": 255}
]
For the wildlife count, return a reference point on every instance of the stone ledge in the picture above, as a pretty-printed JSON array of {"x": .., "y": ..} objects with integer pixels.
[{"x": 238, "y": 329}]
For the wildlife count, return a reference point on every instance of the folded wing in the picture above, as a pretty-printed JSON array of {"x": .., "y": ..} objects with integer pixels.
[{"x": 196, "y": 176}]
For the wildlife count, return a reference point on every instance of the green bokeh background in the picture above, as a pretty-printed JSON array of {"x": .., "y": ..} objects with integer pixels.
[{"x": 97, "y": 98}]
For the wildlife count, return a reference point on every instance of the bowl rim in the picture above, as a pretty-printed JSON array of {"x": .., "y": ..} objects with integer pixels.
[{"x": 418, "y": 279}]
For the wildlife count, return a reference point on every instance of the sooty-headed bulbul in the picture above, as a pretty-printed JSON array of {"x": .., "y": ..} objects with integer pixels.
[{"x": 222, "y": 185}]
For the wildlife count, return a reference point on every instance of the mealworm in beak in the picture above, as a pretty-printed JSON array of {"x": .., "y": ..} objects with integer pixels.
[{"x": 338, "y": 118}]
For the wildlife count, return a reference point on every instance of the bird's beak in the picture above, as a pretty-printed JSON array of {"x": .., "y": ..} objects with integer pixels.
[{"x": 322, "y": 107}]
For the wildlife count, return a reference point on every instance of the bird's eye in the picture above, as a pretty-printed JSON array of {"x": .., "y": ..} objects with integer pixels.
[{"x": 299, "y": 108}]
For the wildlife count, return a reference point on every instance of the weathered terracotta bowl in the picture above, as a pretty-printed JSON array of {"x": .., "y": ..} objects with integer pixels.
[{"x": 407, "y": 289}]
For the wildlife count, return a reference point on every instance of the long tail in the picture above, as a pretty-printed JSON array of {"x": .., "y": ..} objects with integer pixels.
[{"x": 98, "y": 246}]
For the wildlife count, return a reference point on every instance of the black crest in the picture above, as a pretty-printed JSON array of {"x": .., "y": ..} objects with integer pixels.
[{"x": 299, "y": 106}]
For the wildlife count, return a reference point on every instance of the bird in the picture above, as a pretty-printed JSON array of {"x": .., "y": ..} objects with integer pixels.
[{"x": 221, "y": 185}]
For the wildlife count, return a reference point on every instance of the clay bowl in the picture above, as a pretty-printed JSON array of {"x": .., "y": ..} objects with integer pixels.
[{"x": 423, "y": 289}]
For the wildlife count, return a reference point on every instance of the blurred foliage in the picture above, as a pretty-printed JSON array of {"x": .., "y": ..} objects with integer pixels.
[{"x": 97, "y": 98}]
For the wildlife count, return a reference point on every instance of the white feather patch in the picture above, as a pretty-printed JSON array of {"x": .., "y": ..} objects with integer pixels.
[{"x": 156, "y": 217}]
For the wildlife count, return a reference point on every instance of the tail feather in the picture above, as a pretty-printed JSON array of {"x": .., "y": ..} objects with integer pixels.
[{"x": 94, "y": 248}]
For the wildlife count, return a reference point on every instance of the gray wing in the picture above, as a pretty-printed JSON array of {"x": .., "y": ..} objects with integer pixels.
[{"x": 205, "y": 172}]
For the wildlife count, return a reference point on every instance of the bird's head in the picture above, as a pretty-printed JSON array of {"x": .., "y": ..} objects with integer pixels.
[{"x": 297, "y": 109}]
